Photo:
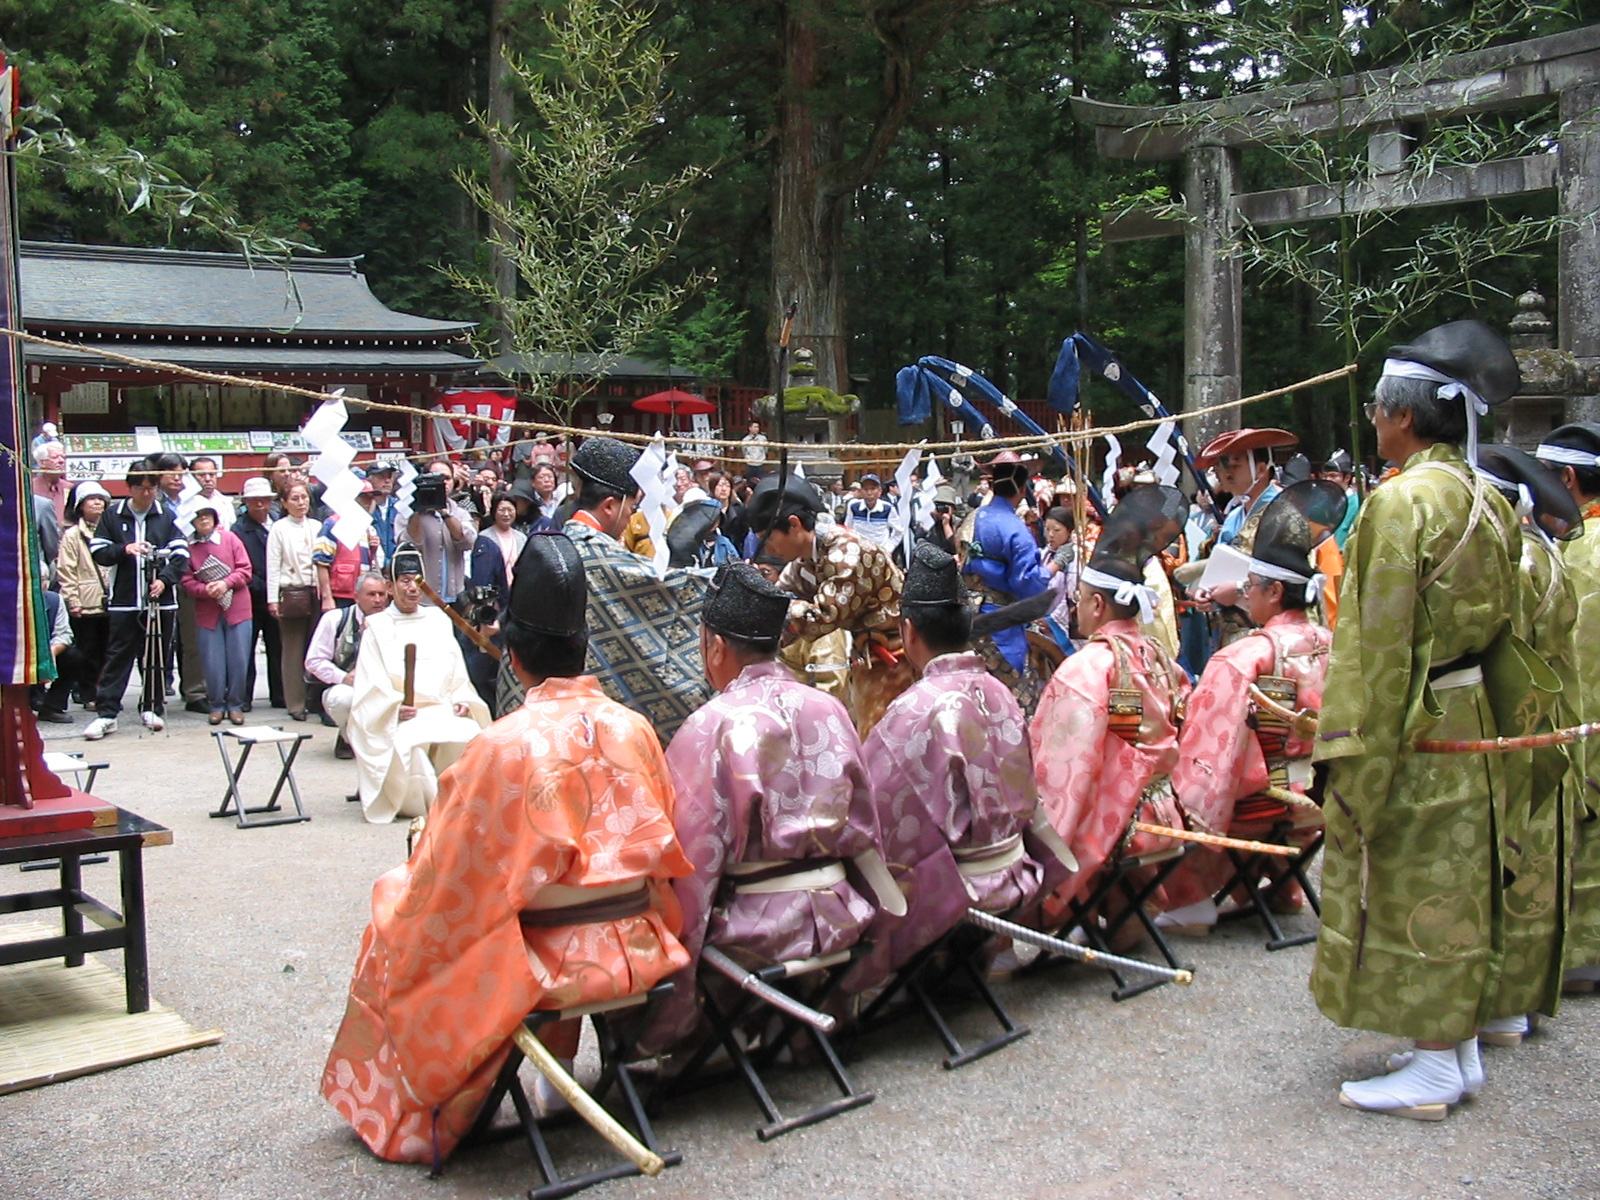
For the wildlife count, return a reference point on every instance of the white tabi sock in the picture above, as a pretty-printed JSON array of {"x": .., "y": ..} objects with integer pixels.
[
  {"x": 1201, "y": 912},
  {"x": 1467, "y": 1058},
  {"x": 545, "y": 1096},
  {"x": 1471, "y": 1064},
  {"x": 1516, "y": 1024},
  {"x": 1423, "y": 1089}
]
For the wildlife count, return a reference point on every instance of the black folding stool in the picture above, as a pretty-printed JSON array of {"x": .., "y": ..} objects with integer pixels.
[
  {"x": 824, "y": 974},
  {"x": 1085, "y": 913},
  {"x": 1246, "y": 871},
  {"x": 288, "y": 745},
  {"x": 960, "y": 952},
  {"x": 613, "y": 1074}
]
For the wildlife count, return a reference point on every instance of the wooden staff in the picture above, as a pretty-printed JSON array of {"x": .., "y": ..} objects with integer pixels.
[
  {"x": 408, "y": 693},
  {"x": 461, "y": 623},
  {"x": 1083, "y": 954},
  {"x": 1505, "y": 745},
  {"x": 607, "y": 1126},
  {"x": 1302, "y": 721},
  {"x": 1213, "y": 839}
]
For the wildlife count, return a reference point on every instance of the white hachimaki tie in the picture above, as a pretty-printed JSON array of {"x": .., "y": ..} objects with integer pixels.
[
  {"x": 1123, "y": 592},
  {"x": 1566, "y": 456},
  {"x": 1449, "y": 389}
]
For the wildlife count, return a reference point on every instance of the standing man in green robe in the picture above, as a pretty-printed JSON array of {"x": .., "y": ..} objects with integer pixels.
[
  {"x": 1411, "y": 920},
  {"x": 1573, "y": 452}
]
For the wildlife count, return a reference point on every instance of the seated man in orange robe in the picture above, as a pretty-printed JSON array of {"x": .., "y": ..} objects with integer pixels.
[
  {"x": 1233, "y": 749},
  {"x": 1105, "y": 737},
  {"x": 541, "y": 882}
]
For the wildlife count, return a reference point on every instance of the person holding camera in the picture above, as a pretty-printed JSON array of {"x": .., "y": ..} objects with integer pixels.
[
  {"x": 441, "y": 530},
  {"x": 147, "y": 553}
]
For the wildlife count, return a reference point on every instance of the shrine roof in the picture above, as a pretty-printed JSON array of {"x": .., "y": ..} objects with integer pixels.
[{"x": 142, "y": 291}]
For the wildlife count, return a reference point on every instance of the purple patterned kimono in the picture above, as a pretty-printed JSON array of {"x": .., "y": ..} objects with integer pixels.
[
  {"x": 953, "y": 778},
  {"x": 769, "y": 771}
]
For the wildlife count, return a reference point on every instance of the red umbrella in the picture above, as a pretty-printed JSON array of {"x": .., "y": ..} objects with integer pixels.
[{"x": 674, "y": 402}]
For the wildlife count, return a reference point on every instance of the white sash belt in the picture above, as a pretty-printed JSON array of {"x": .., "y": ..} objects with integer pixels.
[
  {"x": 815, "y": 879},
  {"x": 1466, "y": 677},
  {"x": 973, "y": 861}
]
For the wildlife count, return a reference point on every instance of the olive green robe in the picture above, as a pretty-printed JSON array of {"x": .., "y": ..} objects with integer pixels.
[
  {"x": 1411, "y": 906},
  {"x": 1582, "y": 557},
  {"x": 1541, "y": 791}
]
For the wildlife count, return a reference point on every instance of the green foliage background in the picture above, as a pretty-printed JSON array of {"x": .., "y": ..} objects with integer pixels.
[{"x": 339, "y": 123}]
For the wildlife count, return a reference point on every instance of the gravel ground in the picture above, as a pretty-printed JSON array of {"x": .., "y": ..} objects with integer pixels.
[{"x": 1225, "y": 1089}]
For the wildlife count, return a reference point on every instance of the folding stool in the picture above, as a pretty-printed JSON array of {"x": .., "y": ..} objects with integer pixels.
[
  {"x": 62, "y": 763},
  {"x": 1246, "y": 871},
  {"x": 613, "y": 1074},
  {"x": 1085, "y": 913},
  {"x": 959, "y": 952},
  {"x": 288, "y": 744},
  {"x": 824, "y": 974}
]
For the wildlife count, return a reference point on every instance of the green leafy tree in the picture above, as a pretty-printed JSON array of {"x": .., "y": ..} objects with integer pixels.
[
  {"x": 702, "y": 341},
  {"x": 588, "y": 231}
]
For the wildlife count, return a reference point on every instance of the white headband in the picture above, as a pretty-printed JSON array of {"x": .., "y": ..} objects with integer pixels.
[
  {"x": 1566, "y": 456},
  {"x": 1314, "y": 582},
  {"x": 1524, "y": 493},
  {"x": 1123, "y": 592},
  {"x": 1450, "y": 388}
]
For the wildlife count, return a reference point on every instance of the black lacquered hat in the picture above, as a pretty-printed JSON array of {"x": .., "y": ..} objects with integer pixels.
[
  {"x": 548, "y": 591},
  {"x": 1296, "y": 520},
  {"x": 407, "y": 560},
  {"x": 742, "y": 604},
  {"x": 608, "y": 462},
  {"x": 1522, "y": 478},
  {"x": 1469, "y": 352},
  {"x": 798, "y": 496},
  {"x": 933, "y": 580}
]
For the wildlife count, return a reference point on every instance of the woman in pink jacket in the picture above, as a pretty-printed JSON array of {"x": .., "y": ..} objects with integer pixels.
[{"x": 218, "y": 577}]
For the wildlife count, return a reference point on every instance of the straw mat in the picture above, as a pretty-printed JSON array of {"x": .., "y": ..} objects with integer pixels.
[{"x": 58, "y": 1022}]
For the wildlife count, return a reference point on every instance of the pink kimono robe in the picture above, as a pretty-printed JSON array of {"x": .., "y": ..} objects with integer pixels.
[
  {"x": 768, "y": 771},
  {"x": 1219, "y": 759},
  {"x": 1090, "y": 779},
  {"x": 569, "y": 790},
  {"x": 954, "y": 785}
]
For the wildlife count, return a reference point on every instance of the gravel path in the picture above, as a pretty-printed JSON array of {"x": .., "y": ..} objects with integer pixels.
[{"x": 1225, "y": 1089}]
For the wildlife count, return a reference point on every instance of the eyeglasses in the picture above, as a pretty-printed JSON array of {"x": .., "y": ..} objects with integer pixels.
[{"x": 1371, "y": 409}]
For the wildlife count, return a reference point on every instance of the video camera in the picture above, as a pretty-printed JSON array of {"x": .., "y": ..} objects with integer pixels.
[{"x": 429, "y": 493}]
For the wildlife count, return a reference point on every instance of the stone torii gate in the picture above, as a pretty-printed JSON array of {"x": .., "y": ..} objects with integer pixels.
[{"x": 1390, "y": 104}]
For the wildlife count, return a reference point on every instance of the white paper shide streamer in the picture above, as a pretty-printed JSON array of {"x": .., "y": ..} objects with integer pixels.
[
  {"x": 900, "y": 519},
  {"x": 324, "y": 433},
  {"x": 1109, "y": 478},
  {"x": 654, "y": 473},
  {"x": 1163, "y": 445}
]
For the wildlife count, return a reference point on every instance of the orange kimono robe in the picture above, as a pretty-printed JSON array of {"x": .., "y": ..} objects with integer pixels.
[
  {"x": 1220, "y": 761},
  {"x": 1092, "y": 782},
  {"x": 571, "y": 789}
]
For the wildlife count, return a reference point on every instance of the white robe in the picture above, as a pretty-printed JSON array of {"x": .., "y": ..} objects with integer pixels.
[{"x": 399, "y": 761}]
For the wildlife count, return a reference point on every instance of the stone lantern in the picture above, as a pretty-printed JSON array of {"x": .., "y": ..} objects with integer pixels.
[{"x": 1557, "y": 386}]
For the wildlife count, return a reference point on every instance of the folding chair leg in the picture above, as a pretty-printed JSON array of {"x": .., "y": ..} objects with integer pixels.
[
  {"x": 1083, "y": 918},
  {"x": 725, "y": 1020},
  {"x": 911, "y": 978},
  {"x": 531, "y": 1125},
  {"x": 1260, "y": 899}
]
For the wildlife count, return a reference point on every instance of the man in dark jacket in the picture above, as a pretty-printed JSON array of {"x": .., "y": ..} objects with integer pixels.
[
  {"x": 147, "y": 554},
  {"x": 251, "y": 529}
]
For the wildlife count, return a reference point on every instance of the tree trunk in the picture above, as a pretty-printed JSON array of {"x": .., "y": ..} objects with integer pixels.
[
  {"x": 807, "y": 214},
  {"x": 502, "y": 180}
]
